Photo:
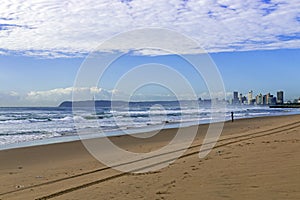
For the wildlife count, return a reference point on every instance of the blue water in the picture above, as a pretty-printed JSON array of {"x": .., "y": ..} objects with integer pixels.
[{"x": 32, "y": 126}]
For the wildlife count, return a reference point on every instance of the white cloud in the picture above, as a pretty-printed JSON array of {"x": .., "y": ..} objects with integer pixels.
[
  {"x": 55, "y": 96},
  {"x": 62, "y": 94},
  {"x": 61, "y": 28}
]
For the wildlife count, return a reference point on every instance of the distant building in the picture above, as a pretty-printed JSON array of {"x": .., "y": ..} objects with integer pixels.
[
  {"x": 235, "y": 95},
  {"x": 241, "y": 98},
  {"x": 273, "y": 100},
  {"x": 244, "y": 100},
  {"x": 270, "y": 99},
  {"x": 280, "y": 98},
  {"x": 296, "y": 101},
  {"x": 235, "y": 98},
  {"x": 259, "y": 99},
  {"x": 265, "y": 100},
  {"x": 250, "y": 97}
]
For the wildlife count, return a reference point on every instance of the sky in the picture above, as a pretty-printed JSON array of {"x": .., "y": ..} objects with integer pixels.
[{"x": 255, "y": 45}]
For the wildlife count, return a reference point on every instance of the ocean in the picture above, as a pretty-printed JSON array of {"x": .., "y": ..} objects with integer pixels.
[{"x": 28, "y": 126}]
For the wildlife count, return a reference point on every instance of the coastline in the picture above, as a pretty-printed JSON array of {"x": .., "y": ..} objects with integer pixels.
[
  {"x": 23, "y": 168},
  {"x": 132, "y": 131}
]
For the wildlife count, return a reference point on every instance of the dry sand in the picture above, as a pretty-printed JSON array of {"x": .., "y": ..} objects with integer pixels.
[{"x": 254, "y": 159}]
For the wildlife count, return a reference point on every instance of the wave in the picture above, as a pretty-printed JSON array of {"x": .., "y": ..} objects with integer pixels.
[
  {"x": 24, "y": 120},
  {"x": 25, "y": 133},
  {"x": 17, "y": 125}
]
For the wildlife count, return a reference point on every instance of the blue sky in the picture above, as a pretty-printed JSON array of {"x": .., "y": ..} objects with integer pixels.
[{"x": 255, "y": 44}]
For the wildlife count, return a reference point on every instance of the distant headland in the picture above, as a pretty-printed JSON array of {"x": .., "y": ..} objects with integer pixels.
[{"x": 107, "y": 103}]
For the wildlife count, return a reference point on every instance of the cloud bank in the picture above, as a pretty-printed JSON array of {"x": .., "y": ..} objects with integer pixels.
[
  {"x": 72, "y": 28},
  {"x": 56, "y": 96}
]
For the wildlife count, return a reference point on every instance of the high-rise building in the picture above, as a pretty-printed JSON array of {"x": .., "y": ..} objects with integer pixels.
[
  {"x": 274, "y": 101},
  {"x": 241, "y": 98},
  {"x": 265, "y": 100},
  {"x": 280, "y": 99},
  {"x": 250, "y": 97},
  {"x": 259, "y": 99},
  {"x": 235, "y": 98},
  {"x": 268, "y": 99},
  {"x": 235, "y": 95},
  {"x": 244, "y": 100}
]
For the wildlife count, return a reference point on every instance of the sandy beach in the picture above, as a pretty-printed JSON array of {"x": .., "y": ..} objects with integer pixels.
[{"x": 254, "y": 159}]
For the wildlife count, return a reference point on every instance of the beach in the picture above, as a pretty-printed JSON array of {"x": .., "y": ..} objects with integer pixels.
[{"x": 254, "y": 158}]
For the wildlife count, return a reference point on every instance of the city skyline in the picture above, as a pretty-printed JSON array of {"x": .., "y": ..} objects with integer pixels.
[{"x": 261, "y": 99}]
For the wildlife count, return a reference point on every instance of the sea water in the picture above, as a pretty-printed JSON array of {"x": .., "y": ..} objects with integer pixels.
[{"x": 28, "y": 126}]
